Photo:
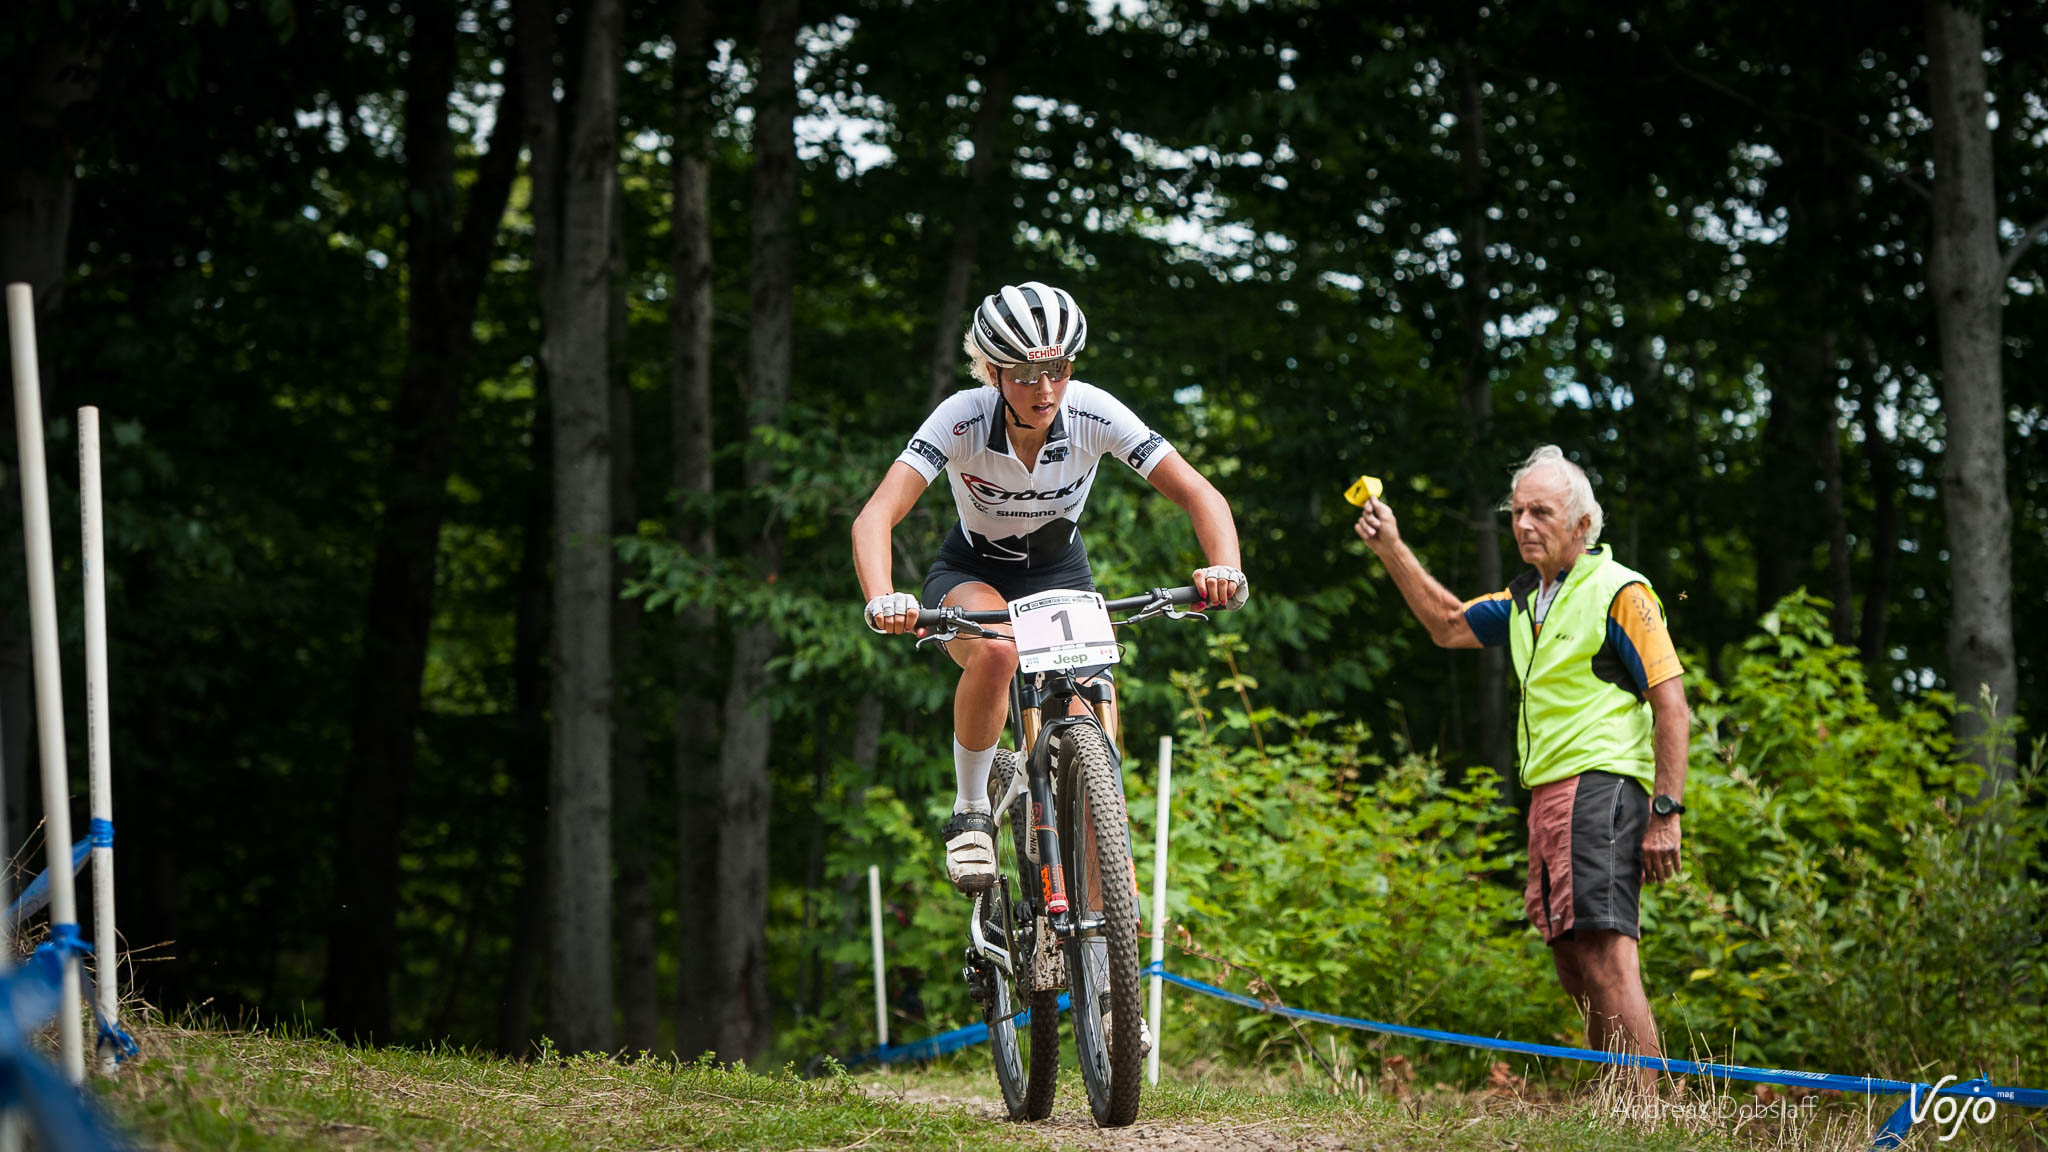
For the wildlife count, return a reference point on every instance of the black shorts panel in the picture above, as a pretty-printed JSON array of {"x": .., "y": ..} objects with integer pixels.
[
  {"x": 1586, "y": 855},
  {"x": 958, "y": 563}
]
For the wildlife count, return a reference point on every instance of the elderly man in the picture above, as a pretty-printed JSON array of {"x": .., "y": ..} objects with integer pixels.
[{"x": 1602, "y": 731}]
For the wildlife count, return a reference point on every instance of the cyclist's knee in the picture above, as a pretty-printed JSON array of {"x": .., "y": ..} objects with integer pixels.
[{"x": 993, "y": 659}]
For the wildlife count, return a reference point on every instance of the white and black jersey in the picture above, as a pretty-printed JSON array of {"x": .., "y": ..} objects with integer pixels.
[{"x": 1013, "y": 514}]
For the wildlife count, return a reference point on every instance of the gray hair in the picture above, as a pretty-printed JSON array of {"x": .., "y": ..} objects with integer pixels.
[{"x": 1579, "y": 499}]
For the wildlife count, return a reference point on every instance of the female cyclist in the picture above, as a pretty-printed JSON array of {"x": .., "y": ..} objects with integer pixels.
[{"x": 1021, "y": 455}]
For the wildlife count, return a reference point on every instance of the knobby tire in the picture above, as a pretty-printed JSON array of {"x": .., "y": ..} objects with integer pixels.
[
  {"x": 1102, "y": 966},
  {"x": 1027, "y": 1076}
]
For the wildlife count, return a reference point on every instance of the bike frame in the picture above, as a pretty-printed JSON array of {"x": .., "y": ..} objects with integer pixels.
[{"x": 1056, "y": 692}]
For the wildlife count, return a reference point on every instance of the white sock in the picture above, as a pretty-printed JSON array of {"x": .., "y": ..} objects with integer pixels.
[{"x": 970, "y": 777}]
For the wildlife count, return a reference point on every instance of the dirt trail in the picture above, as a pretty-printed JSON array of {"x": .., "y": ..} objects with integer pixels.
[{"x": 1072, "y": 1127}]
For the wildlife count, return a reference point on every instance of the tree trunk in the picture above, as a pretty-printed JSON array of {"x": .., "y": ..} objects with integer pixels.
[
  {"x": 995, "y": 107},
  {"x": 574, "y": 347},
  {"x": 742, "y": 940},
  {"x": 630, "y": 819},
  {"x": 39, "y": 166},
  {"x": 38, "y": 186},
  {"x": 1476, "y": 398},
  {"x": 1884, "y": 527},
  {"x": 863, "y": 750},
  {"x": 446, "y": 267},
  {"x": 690, "y": 430},
  {"x": 1966, "y": 280},
  {"x": 1827, "y": 450},
  {"x": 527, "y": 759}
]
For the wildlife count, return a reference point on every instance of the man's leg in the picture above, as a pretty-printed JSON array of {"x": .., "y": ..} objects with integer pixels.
[
  {"x": 1608, "y": 974},
  {"x": 1572, "y": 978}
]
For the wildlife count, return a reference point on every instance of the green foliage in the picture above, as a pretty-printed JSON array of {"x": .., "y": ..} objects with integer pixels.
[
  {"x": 1848, "y": 907},
  {"x": 1344, "y": 882},
  {"x": 1844, "y": 908}
]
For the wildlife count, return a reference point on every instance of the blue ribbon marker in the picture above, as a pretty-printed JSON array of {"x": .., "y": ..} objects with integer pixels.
[
  {"x": 37, "y": 894},
  {"x": 1891, "y": 1135},
  {"x": 939, "y": 1045}
]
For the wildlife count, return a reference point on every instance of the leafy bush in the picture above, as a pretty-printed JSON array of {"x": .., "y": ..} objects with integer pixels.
[
  {"x": 1847, "y": 906},
  {"x": 1343, "y": 882}
]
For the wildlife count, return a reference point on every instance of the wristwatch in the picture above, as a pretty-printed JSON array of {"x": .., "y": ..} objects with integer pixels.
[{"x": 1664, "y": 805}]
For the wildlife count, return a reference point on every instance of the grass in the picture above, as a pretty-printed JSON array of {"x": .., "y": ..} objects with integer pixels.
[{"x": 211, "y": 1088}]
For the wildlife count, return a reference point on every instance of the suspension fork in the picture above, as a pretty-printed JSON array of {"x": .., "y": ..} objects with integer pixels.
[
  {"x": 1035, "y": 736},
  {"x": 1052, "y": 876}
]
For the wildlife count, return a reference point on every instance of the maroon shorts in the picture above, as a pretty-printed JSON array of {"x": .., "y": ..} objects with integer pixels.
[{"x": 1586, "y": 855}]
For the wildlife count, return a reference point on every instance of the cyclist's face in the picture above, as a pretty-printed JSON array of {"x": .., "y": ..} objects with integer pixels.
[
  {"x": 1545, "y": 532},
  {"x": 1035, "y": 390}
]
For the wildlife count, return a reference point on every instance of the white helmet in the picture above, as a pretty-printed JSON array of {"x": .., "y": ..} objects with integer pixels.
[{"x": 1029, "y": 322}]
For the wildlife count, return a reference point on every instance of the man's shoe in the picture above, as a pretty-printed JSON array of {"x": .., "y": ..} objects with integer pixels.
[{"x": 970, "y": 838}]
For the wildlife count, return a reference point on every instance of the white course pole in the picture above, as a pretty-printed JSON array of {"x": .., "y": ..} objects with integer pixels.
[
  {"x": 98, "y": 722},
  {"x": 1158, "y": 1006},
  {"x": 42, "y": 615},
  {"x": 875, "y": 931}
]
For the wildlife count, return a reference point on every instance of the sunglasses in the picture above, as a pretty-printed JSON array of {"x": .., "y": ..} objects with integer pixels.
[{"x": 1028, "y": 374}]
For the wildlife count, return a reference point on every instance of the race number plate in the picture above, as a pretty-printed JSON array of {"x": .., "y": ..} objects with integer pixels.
[{"x": 1062, "y": 629}]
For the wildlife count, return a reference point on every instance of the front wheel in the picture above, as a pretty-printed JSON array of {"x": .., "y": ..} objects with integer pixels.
[
  {"x": 1028, "y": 1064},
  {"x": 1102, "y": 956}
]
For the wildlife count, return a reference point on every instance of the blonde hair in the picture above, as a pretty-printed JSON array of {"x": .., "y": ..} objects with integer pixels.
[
  {"x": 1578, "y": 500},
  {"x": 978, "y": 363}
]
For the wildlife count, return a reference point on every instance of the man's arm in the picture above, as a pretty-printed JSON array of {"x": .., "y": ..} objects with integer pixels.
[
  {"x": 1433, "y": 604},
  {"x": 1672, "y": 740}
]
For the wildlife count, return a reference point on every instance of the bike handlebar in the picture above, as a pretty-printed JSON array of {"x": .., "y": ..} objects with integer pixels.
[{"x": 932, "y": 617}]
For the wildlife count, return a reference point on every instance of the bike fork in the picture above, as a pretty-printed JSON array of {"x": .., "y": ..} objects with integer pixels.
[{"x": 1051, "y": 877}]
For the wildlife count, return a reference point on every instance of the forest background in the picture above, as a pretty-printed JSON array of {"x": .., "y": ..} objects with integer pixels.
[{"x": 489, "y": 390}]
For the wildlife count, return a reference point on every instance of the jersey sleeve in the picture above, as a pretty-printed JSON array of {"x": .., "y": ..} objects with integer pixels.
[
  {"x": 1636, "y": 628},
  {"x": 1488, "y": 617},
  {"x": 937, "y": 440},
  {"x": 1114, "y": 430}
]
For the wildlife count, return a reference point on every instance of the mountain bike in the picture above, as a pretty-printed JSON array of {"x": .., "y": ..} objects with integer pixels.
[{"x": 1064, "y": 907}]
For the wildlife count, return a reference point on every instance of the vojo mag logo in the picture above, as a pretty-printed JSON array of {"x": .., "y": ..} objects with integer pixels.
[{"x": 1949, "y": 1111}]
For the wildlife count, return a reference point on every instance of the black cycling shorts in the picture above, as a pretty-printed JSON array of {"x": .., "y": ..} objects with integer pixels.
[{"x": 1052, "y": 557}]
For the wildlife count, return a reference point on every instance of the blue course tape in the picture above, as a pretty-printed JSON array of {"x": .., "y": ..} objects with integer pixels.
[
  {"x": 57, "y": 1112},
  {"x": 939, "y": 1045},
  {"x": 1892, "y": 1134},
  {"x": 37, "y": 894},
  {"x": 102, "y": 833}
]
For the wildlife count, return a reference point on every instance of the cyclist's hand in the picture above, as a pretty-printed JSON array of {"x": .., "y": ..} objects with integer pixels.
[
  {"x": 1377, "y": 526},
  {"x": 893, "y": 613},
  {"x": 1223, "y": 585}
]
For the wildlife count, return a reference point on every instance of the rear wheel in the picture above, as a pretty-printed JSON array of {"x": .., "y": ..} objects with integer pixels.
[
  {"x": 1102, "y": 957},
  {"x": 1027, "y": 1061}
]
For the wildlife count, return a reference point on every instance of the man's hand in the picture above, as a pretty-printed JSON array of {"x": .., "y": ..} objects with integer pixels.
[
  {"x": 1660, "y": 849},
  {"x": 1377, "y": 527}
]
